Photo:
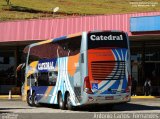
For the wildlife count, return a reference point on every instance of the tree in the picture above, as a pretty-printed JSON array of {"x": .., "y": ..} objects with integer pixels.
[{"x": 8, "y": 2}]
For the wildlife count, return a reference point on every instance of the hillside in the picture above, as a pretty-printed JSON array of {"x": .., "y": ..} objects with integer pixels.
[{"x": 29, "y": 9}]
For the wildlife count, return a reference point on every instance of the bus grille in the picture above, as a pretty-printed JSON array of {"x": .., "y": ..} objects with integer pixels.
[{"x": 108, "y": 70}]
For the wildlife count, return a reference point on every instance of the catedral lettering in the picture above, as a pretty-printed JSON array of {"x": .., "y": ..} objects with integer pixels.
[
  {"x": 45, "y": 66},
  {"x": 110, "y": 37}
]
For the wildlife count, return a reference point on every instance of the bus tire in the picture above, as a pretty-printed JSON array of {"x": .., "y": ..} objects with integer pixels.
[
  {"x": 69, "y": 105},
  {"x": 34, "y": 100},
  {"x": 29, "y": 99},
  {"x": 61, "y": 103}
]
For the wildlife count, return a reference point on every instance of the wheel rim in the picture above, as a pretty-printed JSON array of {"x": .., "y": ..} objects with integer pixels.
[
  {"x": 30, "y": 99},
  {"x": 60, "y": 101},
  {"x": 35, "y": 100},
  {"x": 68, "y": 102}
]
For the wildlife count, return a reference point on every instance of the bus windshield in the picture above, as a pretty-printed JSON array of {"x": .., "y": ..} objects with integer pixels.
[{"x": 107, "y": 39}]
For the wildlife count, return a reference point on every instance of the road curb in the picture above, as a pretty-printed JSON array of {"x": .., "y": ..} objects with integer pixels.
[
  {"x": 132, "y": 97},
  {"x": 12, "y": 97},
  {"x": 144, "y": 97}
]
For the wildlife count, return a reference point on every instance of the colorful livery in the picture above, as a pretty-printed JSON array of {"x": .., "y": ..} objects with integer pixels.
[{"x": 80, "y": 69}]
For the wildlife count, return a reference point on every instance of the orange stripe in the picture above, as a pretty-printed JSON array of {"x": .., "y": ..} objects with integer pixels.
[
  {"x": 48, "y": 91},
  {"x": 72, "y": 61},
  {"x": 73, "y": 35},
  {"x": 45, "y": 41}
]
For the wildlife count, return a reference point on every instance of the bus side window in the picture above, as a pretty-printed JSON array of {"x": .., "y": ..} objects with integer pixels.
[
  {"x": 62, "y": 52},
  {"x": 43, "y": 79},
  {"x": 53, "y": 78},
  {"x": 69, "y": 47},
  {"x": 74, "y": 47}
]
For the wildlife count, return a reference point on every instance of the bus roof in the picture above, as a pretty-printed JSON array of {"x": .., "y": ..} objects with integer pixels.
[
  {"x": 65, "y": 37},
  {"x": 53, "y": 40}
]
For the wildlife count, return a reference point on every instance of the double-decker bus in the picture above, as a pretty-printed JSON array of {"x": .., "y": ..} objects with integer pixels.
[{"x": 79, "y": 69}]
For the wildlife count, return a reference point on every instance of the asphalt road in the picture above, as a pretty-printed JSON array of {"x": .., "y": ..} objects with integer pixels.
[{"x": 17, "y": 109}]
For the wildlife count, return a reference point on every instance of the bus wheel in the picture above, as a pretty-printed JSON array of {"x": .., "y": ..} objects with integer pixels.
[
  {"x": 34, "y": 100},
  {"x": 69, "y": 103},
  {"x": 29, "y": 99},
  {"x": 61, "y": 103}
]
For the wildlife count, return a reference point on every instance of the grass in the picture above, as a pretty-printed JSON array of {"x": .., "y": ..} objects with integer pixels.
[{"x": 29, "y": 9}]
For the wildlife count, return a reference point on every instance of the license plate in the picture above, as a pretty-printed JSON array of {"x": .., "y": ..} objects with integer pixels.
[{"x": 109, "y": 97}]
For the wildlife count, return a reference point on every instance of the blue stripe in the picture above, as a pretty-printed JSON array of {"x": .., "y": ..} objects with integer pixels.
[
  {"x": 104, "y": 85},
  {"x": 115, "y": 85},
  {"x": 115, "y": 53},
  {"x": 60, "y": 38},
  {"x": 120, "y": 53},
  {"x": 112, "y": 86},
  {"x": 124, "y": 50}
]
